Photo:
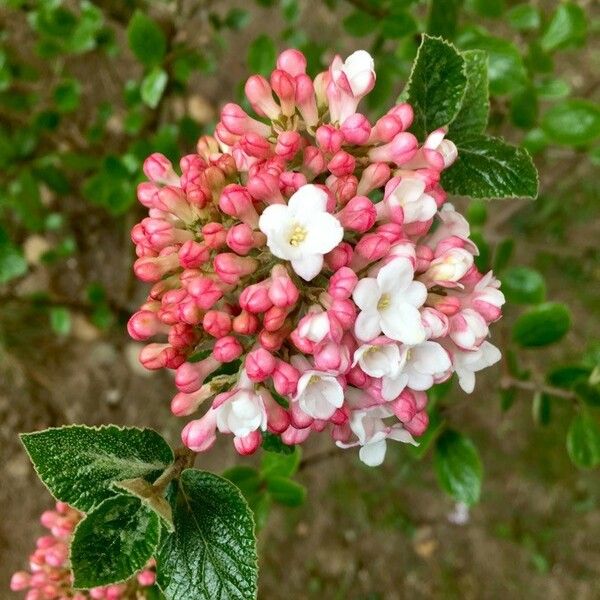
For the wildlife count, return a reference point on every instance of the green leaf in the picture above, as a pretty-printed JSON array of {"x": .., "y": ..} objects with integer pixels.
[
  {"x": 522, "y": 285},
  {"x": 60, "y": 320},
  {"x": 503, "y": 254},
  {"x": 473, "y": 115},
  {"x": 552, "y": 88},
  {"x": 153, "y": 86},
  {"x": 285, "y": 491},
  {"x": 114, "y": 541},
  {"x": 583, "y": 441},
  {"x": 545, "y": 324},
  {"x": 436, "y": 86},
  {"x": 568, "y": 27},
  {"x": 275, "y": 464},
  {"x": 67, "y": 95},
  {"x": 443, "y": 18},
  {"x": 541, "y": 408},
  {"x": 212, "y": 553},
  {"x": 566, "y": 376},
  {"x": 524, "y": 17},
  {"x": 488, "y": 8},
  {"x": 398, "y": 25},
  {"x": 262, "y": 55},
  {"x": 458, "y": 467},
  {"x": 146, "y": 39},
  {"x": 359, "y": 23},
  {"x": 12, "y": 262},
  {"x": 78, "y": 464},
  {"x": 488, "y": 167},
  {"x": 524, "y": 108},
  {"x": 573, "y": 122},
  {"x": 237, "y": 18},
  {"x": 589, "y": 393},
  {"x": 273, "y": 443},
  {"x": 253, "y": 488}
]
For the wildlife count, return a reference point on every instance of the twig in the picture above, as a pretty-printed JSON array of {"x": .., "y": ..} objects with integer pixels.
[
  {"x": 319, "y": 457},
  {"x": 184, "y": 459},
  {"x": 535, "y": 386}
]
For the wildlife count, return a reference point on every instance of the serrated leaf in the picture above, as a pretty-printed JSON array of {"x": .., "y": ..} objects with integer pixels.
[
  {"x": 275, "y": 464},
  {"x": 153, "y": 86},
  {"x": 146, "y": 39},
  {"x": 285, "y": 491},
  {"x": 573, "y": 122},
  {"x": 522, "y": 285},
  {"x": 568, "y": 27},
  {"x": 458, "y": 467},
  {"x": 150, "y": 497},
  {"x": 488, "y": 167},
  {"x": 78, "y": 464},
  {"x": 113, "y": 542},
  {"x": 436, "y": 85},
  {"x": 212, "y": 553},
  {"x": 583, "y": 441},
  {"x": 542, "y": 325},
  {"x": 473, "y": 115}
]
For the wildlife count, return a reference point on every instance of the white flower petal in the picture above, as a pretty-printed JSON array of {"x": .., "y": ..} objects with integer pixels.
[
  {"x": 367, "y": 326},
  {"x": 307, "y": 200},
  {"x": 395, "y": 276},
  {"x": 366, "y": 293},
  {"x": 308, "y": 267},
  {"x": 373, "y": 454},
  {"x": 402, "y": 322}
]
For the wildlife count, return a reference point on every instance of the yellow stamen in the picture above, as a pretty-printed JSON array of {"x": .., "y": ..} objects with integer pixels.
[
  {"x": 384, "y": 302},
  {"x": 298, "y": 235}
]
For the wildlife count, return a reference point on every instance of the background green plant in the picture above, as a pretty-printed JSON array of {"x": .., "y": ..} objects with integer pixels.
[{"x": 72, "y": 143}]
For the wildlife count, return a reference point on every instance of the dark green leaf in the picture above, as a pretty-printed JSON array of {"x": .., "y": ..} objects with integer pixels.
[
  {"x": 477, "y": 213},
  {"x": 150, "y": 497},
  {"x": 273, "y": 443},
  {"x": 535, "y": 141},
  {"x": 589, "y": 393},
  {"x": 542, "y": 325},
  {"x": 359, "y": 23},
  {"x": 443, "y": 18},
  {"x": 262, "y": 55},
  {"x": 281, "y": 465},
  {"x": 473, "y": 115},
  {"x": 524, "y": 108},
  {"x": 568, "y": 27},
  {"x": 252, "y": 486},
  {"x": 458, "y": 467},
  {"x": 524, "y": 17},
  {"x": 566, "y": 376},
  {"x": 78, "y": 464},
  {"x": 285, "y": 491},
  {"x": 572, "y": 122},
  {"x": 552, "y": 88},
  {"x": 541, "y": 408},
  {"x": 67, "y": 96},
  {"x": 436, "y": 86},
  {"x": 583, "y": 441},
  {"x": 503, "y": 254},
  {"x": 488, "y": 8},
  {"x": 114, "y": 541},
  {"x": 490, "y": 168},
  {"x": 146, "y": 39},
  {"x": 237, "y": 18},
  {"x": 153, "y": 86},
  {"x": 398, "y": 25},
  {"x": 522, "y": 285},
  {"x": 212, "y": 553}
]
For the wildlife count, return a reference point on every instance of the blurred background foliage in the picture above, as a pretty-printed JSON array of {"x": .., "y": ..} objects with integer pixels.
[{"x": 89, "y": 89}]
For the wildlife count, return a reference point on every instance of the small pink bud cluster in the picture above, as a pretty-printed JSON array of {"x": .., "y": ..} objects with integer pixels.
[
  {"x": 307, "y": 273},
  {"x": 49, "y": 576}
]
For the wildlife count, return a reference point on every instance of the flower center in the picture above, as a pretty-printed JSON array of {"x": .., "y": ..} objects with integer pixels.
[
  {"x": 297, "y": 235},
  {"x": 384, "y": 302}
]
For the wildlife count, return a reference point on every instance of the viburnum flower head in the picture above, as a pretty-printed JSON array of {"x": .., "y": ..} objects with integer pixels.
[{"x": 308, "y": 275}]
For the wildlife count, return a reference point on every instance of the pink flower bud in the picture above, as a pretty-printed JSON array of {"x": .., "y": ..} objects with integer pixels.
[
  {"x": 248, "y": 444},
  {"x": 344, "y": 312},
  {"x": 190, "y": 376},
  {"x": 204, "y": 291},
  {"x": 332, "y": 357},
  {"x": 418, "y": 424},
  {"x": 255, "y": 298},
  {"x": 19, "y": 581},
  {"x": 149, "y": 268},
  {"x": 285, "y": 378},
  {"x": 385, "y": 129},
  {"x": 356, "y": 129},
  {"x": 435, "y": 322},
  {"x": 290, "y": 182},
  {"x": 404, "y": 112},
  {"x": 373, "y": 246},
  {"x": 424, "y": 257},
  {"x": 214, "y": 235},
  {"x": 146, "y": 193},
  {"x": 200, "y": 435},
  {"x": 225, "y": 136},
  {"x": 399, "y": 151},
  {"x": 342, "y": 163},
  {"x": 344, "y": 188},
  {"x": 259, "y": 93},
  {"x": 153, "y": 356},
  {"x": 235, "y": 201},
  {"x": 259, "y": 364},
  {"x": 292, "y": 61},
  {"x": 245, "y": 323},
  {"x": 241, "y": 239},
  {"x": 449, "y": 305},
  {"x": 306, "y": 100},
  {"x": 313, "y": 162},
  {"x": 231, "y": 267},
  {"x": 342, "y": 283},
  {"x": 359, "y": 214},
  {"x": 284, "y": 86},
  {"x": 468, "y": 329},
  {"x": 227, "y": 349},
  {"x": 274, "y": 318},
  {"x": 288, "y": 144},
  {"x": 404, "y": 406},
  {"x": 184, "y": 404},
  {"x": 144, "y": 324},
  {"x": 373, "y": 177},
  {"x": 273, "y": 340},
  {"x": 329, "y": 139},
  {"x": 298, "y": 417},
  {"x": 238, "y": 122},
  {"x": 340, "y": 256},
  {"x": 282, "y": 291},
  {"x": 315, "y": 326},
  {"x": 303, "y": 344},
  {"x": 255, "y": 145},
  {"x": 193, "y": 254},
  {"x": 146, "y": 578},
  {"x": 157, "y": 167},
  {"x": 292, "y": 436}
]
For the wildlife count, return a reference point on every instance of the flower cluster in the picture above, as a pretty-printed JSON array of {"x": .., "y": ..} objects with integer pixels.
[
  {"x": 50, "y": 577},
  {"x": 308, "y": 274}
]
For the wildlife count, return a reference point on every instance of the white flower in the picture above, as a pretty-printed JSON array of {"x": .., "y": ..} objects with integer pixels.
[
  {"x": 319, "y": 394},
  {"x": 302, "y": 231},
  {"x": 390, "y": 303},
  {"x": 468, "y": 329},
  {"x": 451, "y": 266},
  {"x": 372, "y": 433},
  {"x": 359, "y": 72},
  {"x": 242, "y": 413},
  {"x": 422, "y": 366},
  {"x": 466, "y": 364},
  {"x": 453, "y": 224},
  {"x": 409, "y": 195}
]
